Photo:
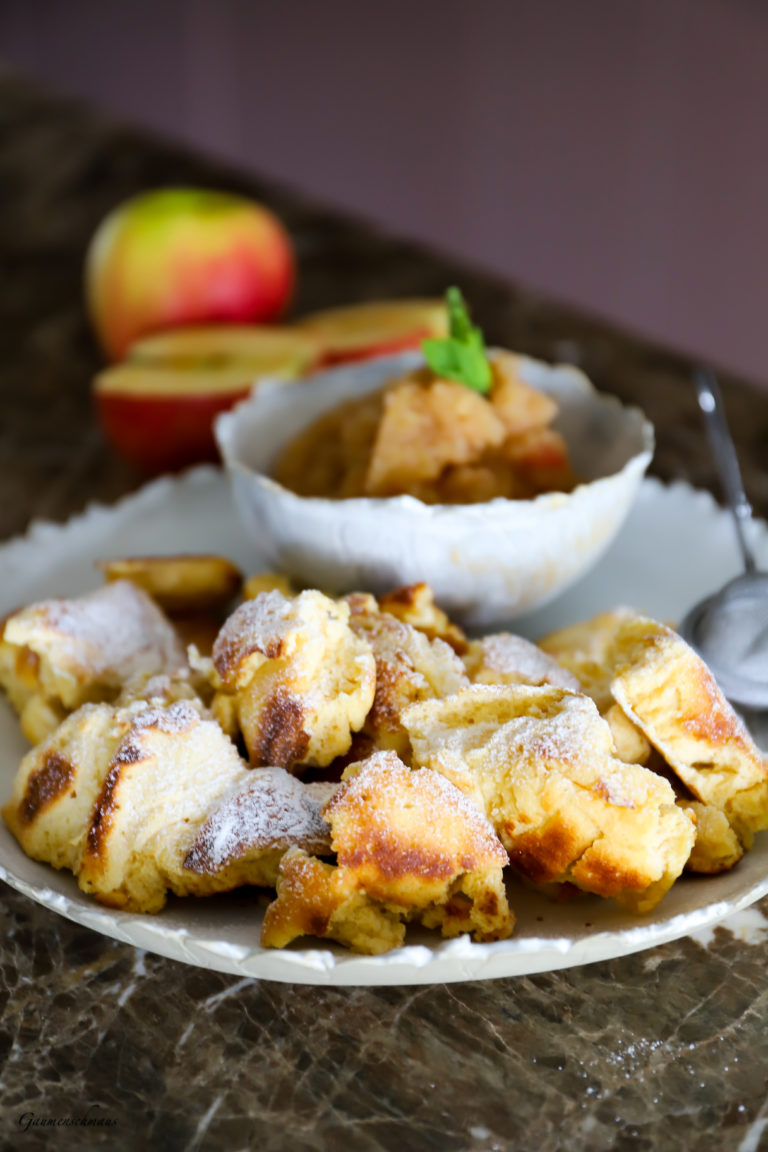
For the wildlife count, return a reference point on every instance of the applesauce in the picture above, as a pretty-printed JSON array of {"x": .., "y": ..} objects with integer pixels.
[{"x": 435, "y": 439}]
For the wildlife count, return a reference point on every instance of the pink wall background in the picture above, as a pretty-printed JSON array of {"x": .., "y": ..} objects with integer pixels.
[{"x": 608, "y": 152}]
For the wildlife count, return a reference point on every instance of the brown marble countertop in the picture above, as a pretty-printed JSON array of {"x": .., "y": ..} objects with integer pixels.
[{"x": 666, "y": 1049}]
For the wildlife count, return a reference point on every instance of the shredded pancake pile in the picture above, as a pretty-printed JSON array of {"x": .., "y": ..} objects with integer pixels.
[{"x": 363, "y": 761}]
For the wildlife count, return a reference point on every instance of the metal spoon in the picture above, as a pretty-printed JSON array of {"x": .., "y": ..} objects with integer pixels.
[{"x": 730, "y": 628}]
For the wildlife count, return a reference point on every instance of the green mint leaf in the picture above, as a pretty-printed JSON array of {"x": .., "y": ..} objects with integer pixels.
[
  {"x": 442, "y": 357},
  {"x": 461, "y": 356},
  {"x": 459, "y": 323}
]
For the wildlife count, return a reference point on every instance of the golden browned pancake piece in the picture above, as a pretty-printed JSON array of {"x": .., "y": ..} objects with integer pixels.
[
  {"x": 409, "y": 667},
  {"x": 184, "y": 584},
  {"x": 267, "y": 582},
  {"x": 409, "y": 847},
  {"x": 167, "y": 775},
  {"x": 55, "y": 788},
  {"x": 59, "y": 654},
  {"x": 297, "y": 679},
  {"x": 668, "y": 691},
  {"x": 539, "y": 762},
  {"x": 118, "y": 796}
]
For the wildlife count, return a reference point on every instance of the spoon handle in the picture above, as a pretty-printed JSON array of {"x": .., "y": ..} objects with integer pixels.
[{"x": 711, "y": 403}]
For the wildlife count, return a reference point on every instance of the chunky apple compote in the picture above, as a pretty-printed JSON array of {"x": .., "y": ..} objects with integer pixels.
[{"x": 434, "y": 438}]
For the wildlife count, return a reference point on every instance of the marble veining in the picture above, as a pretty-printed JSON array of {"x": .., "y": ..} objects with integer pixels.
[{"x": 652, "y": 1051}]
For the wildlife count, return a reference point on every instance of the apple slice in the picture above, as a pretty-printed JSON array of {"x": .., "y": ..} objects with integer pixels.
[
  {"x": 378, "y": 328},
  {"x": 264, "y": 350},
  {"x": 160, "y": 419},
  {"x": 157, "y": 408}
]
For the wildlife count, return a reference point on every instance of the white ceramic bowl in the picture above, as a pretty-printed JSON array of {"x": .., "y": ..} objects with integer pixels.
[{"x": 485, "y": 562}]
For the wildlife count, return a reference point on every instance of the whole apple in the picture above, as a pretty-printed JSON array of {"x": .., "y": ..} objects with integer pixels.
[{"x": 176, "y": 256}]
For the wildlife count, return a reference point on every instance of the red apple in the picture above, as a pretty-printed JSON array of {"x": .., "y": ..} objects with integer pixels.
[
  {"x": 157, "y": 408},
  {"x": 378, "y": 328},
  {"x": 178, "y": 256}
]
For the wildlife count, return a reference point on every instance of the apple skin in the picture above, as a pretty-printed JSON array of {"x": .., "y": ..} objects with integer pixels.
[
  {"x": 163, "y": 433},
  {"x": 336, "y": 357},
  {"x": 374, "y": 328},
  {"x": 177, "y": 256}
]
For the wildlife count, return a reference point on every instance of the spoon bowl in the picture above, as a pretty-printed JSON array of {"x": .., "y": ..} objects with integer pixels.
[{"x": 729, "y": 629}]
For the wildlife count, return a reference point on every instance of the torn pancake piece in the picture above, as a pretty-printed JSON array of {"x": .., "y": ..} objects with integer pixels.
[
  {"x": 58, "y": 654},
  {"x": 670, "y": 694},
  {"x": 184, "y": 584},
  {"x": 504, "y": 658},
  {"x": 160, "y": 689},
  {"x": 57, "y": 784},
  {"x": 414, "y": 604},
  {"x": 583, "y": 649},
  {"x": 409, "y": 667},
  {"x": 169, "y": 772},
  {"x": 717, "y": 847},
  {"x": 409, "y": 847},
  {"x": 245, "y": 838},
  {"x": 539, "y": 762},
  {"x": 295, "y": 676},
  {"x": 629, "y": 743},
  {"x": 118, "y": 796}
]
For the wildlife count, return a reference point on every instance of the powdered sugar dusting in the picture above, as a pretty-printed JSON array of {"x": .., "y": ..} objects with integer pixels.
[
  {"x": 258, "y": 625},
  {"x": 273, "y": 810},
  {"x": 572, "y": 732},
  {"x": 545, "y": 723},
  {"x": 116, "y": 629},
  {"x": 273, "y": 625},
  {"x": 173, "y": 720},
  {"x": 513, "y": 656},
  {"x": 321, "y": 791}
]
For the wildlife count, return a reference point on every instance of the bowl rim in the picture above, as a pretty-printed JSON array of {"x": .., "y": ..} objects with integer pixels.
[{"x": 225, "y": 425}]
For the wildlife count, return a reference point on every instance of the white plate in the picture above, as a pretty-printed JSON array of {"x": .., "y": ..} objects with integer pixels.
[{"x": 676, "y": 546}]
